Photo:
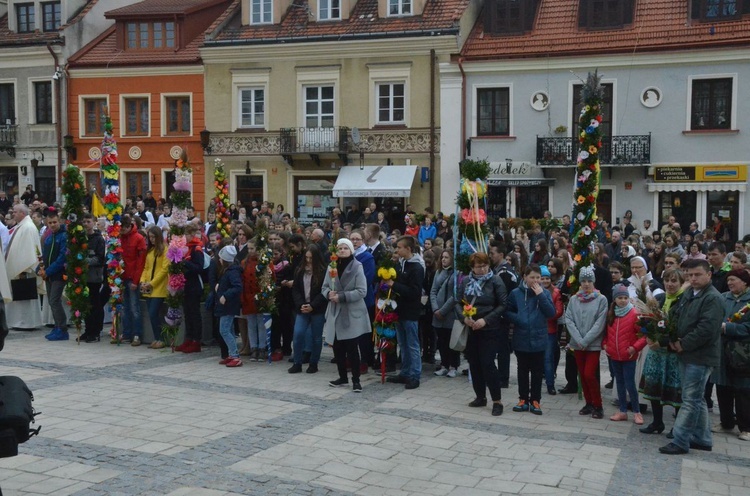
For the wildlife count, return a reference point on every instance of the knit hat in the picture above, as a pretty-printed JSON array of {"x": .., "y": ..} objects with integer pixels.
[
  {"x": 545, "y": 271},
  {"x": 228, "y": 253},
  {"x": 621, "y": 290},
  {"x": 587, "y": 274},
  {"x": 740, "y": 274},
  {"x": 344, "y": 241}
]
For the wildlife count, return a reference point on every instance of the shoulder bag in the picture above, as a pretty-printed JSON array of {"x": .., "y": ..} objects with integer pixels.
[{"x": 460, "y": 333}]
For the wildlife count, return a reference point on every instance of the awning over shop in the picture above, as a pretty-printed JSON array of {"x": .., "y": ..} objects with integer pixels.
[
  {"x": 374, "y": 181},
  {"x": 654, "y": 187}
]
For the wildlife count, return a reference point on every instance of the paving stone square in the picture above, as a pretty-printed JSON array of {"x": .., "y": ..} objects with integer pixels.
[{"x": 122, "y": 420}]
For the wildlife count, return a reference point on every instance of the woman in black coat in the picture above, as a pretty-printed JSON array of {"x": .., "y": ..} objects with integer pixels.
[{"x": 310, "y": 306}]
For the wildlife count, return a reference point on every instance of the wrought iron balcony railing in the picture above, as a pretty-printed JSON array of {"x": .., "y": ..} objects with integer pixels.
[
  {"x": 314, "y": 140},
  {"x": 616, "y": 150},
  {"x": 8, "y": 138}
]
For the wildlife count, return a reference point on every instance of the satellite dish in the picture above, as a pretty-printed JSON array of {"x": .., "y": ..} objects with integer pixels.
[{"x": 355, "y": 135}]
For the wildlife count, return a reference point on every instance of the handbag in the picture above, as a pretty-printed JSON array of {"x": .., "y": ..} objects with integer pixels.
[
  {"x": 24, "y": 289},
  {"x": 460, "y": 333},
  {"x": 738, "y": 357}
]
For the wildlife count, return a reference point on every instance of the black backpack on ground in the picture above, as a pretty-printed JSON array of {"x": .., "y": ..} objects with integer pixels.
[{"x": 16, "y": 415}]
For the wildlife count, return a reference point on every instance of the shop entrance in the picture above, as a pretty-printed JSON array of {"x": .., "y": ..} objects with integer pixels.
[
  {"x": 724, "y": 204},
  {"x": 680, "y": 204}
]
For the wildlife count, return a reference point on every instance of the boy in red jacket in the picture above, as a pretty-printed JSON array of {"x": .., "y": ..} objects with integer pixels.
[{"x": 134, "y": 258}]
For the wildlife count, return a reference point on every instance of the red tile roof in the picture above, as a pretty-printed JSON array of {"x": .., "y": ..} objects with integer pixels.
[
  {"x": 658, "y": 25},
  {"x": 10, "y": 38},
  {"x": 167, "y": 7},
  {"x": 81, "y": 13},
  {"x": 296, "y": 25},
  {"x": 103, "y": 52}
]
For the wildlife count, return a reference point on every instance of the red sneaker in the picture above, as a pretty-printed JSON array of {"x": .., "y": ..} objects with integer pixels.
[
  {"x": 277, "y": 356},
  {"x": 190, "y": 347},
  {"x": 183, "y": 346},
  {"x": 234, "y": 362}
]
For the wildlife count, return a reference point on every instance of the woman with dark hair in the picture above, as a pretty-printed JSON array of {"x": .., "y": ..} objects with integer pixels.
[
  {"x": 234, "y": 212},
  {"x": 443, "y": 230},
  {"x": 523, "y": 255},
  {"x": 541, "y": 254},
  {"x": 443, "y": 314},
  {"x": 694, "y": 251},
  {"x": 278, "y": 214},
  {"x": 481, "y": 302},
  {"x": 557, "y": 274},
  {"x": 154, "y": 282},
  {"x": 310, "y": 306}
]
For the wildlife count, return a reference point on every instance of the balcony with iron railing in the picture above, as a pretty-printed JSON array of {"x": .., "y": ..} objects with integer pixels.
[
  {"x": 616, "y": 150},
  {"x": 8, "y": 138},
  {"x": 313, "y": 141}
]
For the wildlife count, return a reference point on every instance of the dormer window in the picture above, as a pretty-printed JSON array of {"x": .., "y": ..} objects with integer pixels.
[
  {"x": 509, "y": 16},
  {"x": 605, "y": 14},
  {"x": 154, "y": 35},
  {"x": 719, "y": 10},
  {"x": 329, "y": 10},
  {"x": 261, "y": 11},
  {"x": 25, "y": 18},
  {"x": 51, "y": 16},
  {"x": 399, "y": 7}
]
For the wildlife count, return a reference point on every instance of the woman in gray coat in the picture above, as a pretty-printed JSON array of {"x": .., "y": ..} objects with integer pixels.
[
  {"x": 443, "y": 315},
  {"x": 346, "y": 316}
]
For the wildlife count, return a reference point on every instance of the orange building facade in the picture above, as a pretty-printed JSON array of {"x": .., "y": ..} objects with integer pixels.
[
  {"x": 146, "y": 153},
  {"x": 146, "y": 73}
]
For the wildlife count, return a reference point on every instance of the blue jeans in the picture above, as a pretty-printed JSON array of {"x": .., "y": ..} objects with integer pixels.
[
  {"x": 625, "y": 378},
  {"x": 692, "y": 420},
  {"x": 256, "y": 331},
  {"x": 308, "y": 327},
  {"x": 154, "y": 306},
  {"x": 549, "y": 360},
  {"x": 132, "y": 320},
  {"x": 226, "y": 329},
  {"x": 407, "y": 334}
]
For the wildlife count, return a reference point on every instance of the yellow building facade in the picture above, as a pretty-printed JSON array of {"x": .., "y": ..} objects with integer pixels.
[{"x": 285, "y": 114}]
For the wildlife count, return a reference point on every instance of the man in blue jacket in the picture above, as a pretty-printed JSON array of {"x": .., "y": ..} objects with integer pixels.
[
  {"x": 408, "y": 289},
  {"x": 52, "y": 270}
]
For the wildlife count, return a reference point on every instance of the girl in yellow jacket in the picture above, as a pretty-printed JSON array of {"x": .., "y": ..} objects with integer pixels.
[{"x": 154, "y": 283}]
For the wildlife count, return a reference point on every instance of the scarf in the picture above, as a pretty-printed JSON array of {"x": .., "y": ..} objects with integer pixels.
[
  {"x": 623, "y": 311},
  {"x": 670, "y": 299},
  {"x": 587, "y": 297},
  {"x": 474, "y": 286}
]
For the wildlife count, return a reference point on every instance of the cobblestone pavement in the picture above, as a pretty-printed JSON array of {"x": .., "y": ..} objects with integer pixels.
[{"x": 120, "y": 420}]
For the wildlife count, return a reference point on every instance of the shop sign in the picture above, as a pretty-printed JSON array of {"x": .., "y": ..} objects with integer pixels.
[
  {"x": 510, "y": 169},
  {"x": 521, "y": 183},
  {"x": 701, "y": 173}
]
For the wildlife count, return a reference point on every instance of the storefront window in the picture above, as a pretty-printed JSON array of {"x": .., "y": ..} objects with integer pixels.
[
  {"x": 531, "y": 203},
  {"x": 724, "y": 204},
  {"x": 314, "y": 198},
  {"x": 497, "y": 201},
  {"x": 9, "y": 180},
  {"x": 680, "y": 204}
]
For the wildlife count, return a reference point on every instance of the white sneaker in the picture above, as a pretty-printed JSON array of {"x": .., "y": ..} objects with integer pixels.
[
  {"x": 744, "y": 436},
  {"x": 452, "y": 373},
  {"x": 719, "y": 428},
  {"x": 442, "y": 372}
]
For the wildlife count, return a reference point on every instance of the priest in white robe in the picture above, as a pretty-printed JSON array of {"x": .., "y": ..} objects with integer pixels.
[{"x": 22, "y": 257}]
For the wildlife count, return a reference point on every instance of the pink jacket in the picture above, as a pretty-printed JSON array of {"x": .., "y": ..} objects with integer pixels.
[{"x": 622, "y": 334}]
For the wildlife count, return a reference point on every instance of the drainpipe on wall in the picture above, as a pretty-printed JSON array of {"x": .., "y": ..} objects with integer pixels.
[
  {"x": 432, "y": 128},
  {"x": 463, "y": 108},
  {"x": 58, "y": 125}
]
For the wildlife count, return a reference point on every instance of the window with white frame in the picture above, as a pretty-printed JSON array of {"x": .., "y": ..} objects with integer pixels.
[
  {"x": 252, "y": 103},
  {"x": 136, "y": 116},
  {"x": 711, "y": 104},
  {"x": 7, "y": 104},
  {"x": 43, "y": 102},
  {"x": 94, "y": 116},
  {"x": 399, "y": 7},
  {"x": 493, "y": 111},
  {"x": 261, "y": 11},
  {"x": 178, "y": 118},
  {"x": 391, "y": 103},
  {"x": 319, "y": 106},
  {"x": 329, "y": 9}
]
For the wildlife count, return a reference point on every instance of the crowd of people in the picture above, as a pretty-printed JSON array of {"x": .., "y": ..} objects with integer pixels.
[{"x": 519, "y": 294}]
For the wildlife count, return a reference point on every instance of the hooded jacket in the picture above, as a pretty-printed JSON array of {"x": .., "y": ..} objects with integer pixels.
[
  {"x": 529, "y": 312},
  {"x": 621, "y": 335},
  {"x": 230, "y": 287},
  {"x": 408, "y": 287},
  {"x": 96, "y": 257},
  {"x": 133, "y": 254},
  {"x": 53, "y": 254}
]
